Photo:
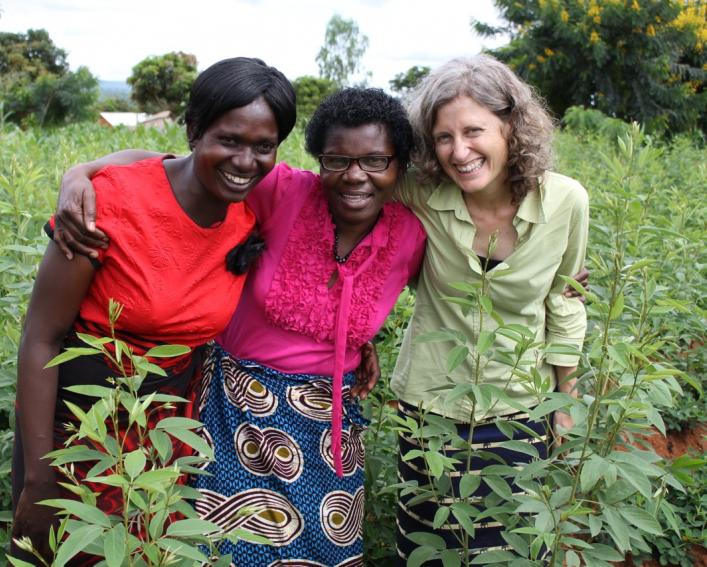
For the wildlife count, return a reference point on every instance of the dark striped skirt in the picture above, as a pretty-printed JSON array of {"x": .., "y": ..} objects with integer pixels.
[
  {"x": 271, "y": 434},
  {"x": 419, "y": 516}
]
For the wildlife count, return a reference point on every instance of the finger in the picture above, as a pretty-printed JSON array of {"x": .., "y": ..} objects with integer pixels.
[
  {"x": 59, "y": 239},
  {"x": 89, "y": 210},
  {"x": 79, "y": 247}
]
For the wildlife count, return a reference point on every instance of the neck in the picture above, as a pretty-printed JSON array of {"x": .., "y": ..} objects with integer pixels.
[
  {"x": 201, "y": 207},
  {"x": 490, "y": 199},
  {"x": 347, "y": 237}
]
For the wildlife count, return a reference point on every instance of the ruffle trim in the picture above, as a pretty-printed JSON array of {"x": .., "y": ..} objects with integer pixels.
[{"x": 299, "y": 300}]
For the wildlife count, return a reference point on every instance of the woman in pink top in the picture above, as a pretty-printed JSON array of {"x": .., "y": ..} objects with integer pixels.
[{"x": 277, "y": 403}]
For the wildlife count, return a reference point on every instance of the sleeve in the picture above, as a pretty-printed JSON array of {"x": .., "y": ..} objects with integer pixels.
[
  {"x": 420, "y": 242},
  {"x": 265, "y": 196},
  {"x": 566, "y": 318}
]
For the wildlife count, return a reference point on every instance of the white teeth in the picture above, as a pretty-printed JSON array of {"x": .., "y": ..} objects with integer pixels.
[
  {"x": 235, "y": 179},
  {"x": 476, "y": 164}
]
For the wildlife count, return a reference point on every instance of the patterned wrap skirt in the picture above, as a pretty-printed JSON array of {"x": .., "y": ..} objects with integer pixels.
[
  {"x": 419, "y": 517},
  {"x": 271, "y": 434}
]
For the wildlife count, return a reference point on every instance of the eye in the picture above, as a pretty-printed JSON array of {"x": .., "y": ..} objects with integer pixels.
[
  {"x": 374, "y": 162},
  {"x": 472, "y": 132},
  {"x": 442, "y": 138},
  {"x": 265, "y": 147}
]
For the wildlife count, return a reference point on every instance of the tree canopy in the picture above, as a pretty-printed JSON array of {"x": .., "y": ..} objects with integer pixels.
[
  {"x": 162, "y": 82},
  {"x": 36, "y": 85},
  {"x": 638, "y": 60},
  {"x": 344, "y": 46},
  {"x": 310, "y": 91},
  {"x": 403, "y": 83}
]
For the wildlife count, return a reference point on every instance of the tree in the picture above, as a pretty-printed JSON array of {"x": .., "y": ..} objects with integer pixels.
[
  {"x": 632, "y": 59},
  {"x": 36, "y": 85},
  {"x": 310, "y": 91},
  {"x": 343, "y": 49},
  {"x": 403, "y": 83},
  {"x": 163, "y": 82}
]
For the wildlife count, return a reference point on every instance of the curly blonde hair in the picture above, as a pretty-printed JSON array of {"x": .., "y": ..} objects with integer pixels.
[{"x": 493, "y": 85}]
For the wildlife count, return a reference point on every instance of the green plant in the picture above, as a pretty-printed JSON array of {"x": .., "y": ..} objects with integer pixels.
[
  {"x": 155, "y": 525},
  {"x": 598, "y": 496}
]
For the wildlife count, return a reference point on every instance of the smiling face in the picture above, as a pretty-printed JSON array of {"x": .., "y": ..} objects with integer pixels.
[
  {"x": 236, "y": 151},
  {"x": 355, "y": 196},
  {"x": 471, "y": 146}
]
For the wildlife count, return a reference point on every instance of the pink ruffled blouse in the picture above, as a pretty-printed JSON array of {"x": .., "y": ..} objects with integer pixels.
[{"x": 288, "y": 318}]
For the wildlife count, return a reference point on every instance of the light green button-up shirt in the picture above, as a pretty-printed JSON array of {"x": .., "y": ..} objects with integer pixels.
[{"x": 552, "y": 225}]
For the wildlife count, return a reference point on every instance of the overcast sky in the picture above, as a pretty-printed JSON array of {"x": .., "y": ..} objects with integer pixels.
[{"x": 110, "y": 37}]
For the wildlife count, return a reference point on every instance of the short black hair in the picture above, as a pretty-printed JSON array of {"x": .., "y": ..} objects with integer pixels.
[
  {"x": 353, "y": 107},
  {"x": 234, "y": 83}
]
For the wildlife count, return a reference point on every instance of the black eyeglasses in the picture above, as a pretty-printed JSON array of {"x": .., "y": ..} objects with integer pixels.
[{"x": 366, "y": 163}]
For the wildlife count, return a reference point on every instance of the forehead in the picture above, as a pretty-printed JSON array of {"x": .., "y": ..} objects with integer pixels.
[
  {"x": 256, "y": 117},
  {"x": 358, "y": 140},
  {"x": 464, "y": 110}
]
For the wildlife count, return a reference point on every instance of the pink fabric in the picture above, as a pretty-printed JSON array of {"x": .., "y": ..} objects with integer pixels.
[{"x": 288, "y": 319}]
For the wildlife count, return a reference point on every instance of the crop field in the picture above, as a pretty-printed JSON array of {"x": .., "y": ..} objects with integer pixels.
[{"x": 648, "y": 265}]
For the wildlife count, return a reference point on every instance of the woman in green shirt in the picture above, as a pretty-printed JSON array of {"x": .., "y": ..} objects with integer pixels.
[{"x": 493, "y": 211}]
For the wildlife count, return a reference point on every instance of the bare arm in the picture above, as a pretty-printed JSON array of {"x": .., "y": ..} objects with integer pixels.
[
  {"x": 58, "y": 291},
  {"x": 76, "y": 205}
]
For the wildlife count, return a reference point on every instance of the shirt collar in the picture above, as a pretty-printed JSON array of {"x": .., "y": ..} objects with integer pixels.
[{"x": 447, "y": 197}]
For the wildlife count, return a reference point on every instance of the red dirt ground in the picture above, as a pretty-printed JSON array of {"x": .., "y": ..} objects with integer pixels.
[{"x": 675, "y": 444}]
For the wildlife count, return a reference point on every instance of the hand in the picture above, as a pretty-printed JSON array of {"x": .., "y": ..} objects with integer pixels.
[
  {"x": 75, "y": 229},
  {"x": 582, "y": 278},
  {"x": 33, "y": 520},
  {"x": 368, "y": 371}
]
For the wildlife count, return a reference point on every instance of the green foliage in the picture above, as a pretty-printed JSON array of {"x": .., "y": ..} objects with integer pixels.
[
  {"x": 344, "y": 46},
  {"x": 156, "y": 526},
  {"x": 636, "y": 60},
  {"x": 690, "y": 507},
  {"x": 310, "y": 91},
  {"x": 162, "y": 82},
  {"x": 117, "y": 104},
  {"x": 403, "y": 83},
  {"x": 36, "y": 85}
]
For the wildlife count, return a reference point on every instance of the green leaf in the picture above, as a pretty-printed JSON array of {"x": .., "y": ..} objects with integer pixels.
[
  {"x": 485, "y": 340},
  {"x": 617, "y": 308},
  {"x": 520, "y": 447},
  {"x": 18, "y": 562},
  {"x": 450, "y": 558},
  {"x": 595, "y": 525},
  {"x": 161, "y": 442},
  {"x": 135, "y": 463},
  {"x": 194, "y": 441},
  {"x": 70, "y": 354},
  {"x": 468, "y": 484},
  {"x": 617, "y": 529},
  {"x": 156, "y": 479},
  {"x": 441, "y": 336},
  {"x": 441, "y": 516},
  {"x": 110, "y": 480},
  {"x": 499, "y": 486},
  {"x": 76, "y": 542},
  {"x": 591, "y": 472},
  {"x": 178, "y": 423},
  {"x": 460, "y": 510},
  {"x": 456, "y": 356},
  {"x": 435, "y": 463},
  {"x": 114, "y": 545},
  {"x": 91, "y": 391},
  {"x": 167, "y": 351},
  {"x": 420, "y": 555},
  {"x": 182, "y": 549},
  {"x": 642, "y": 520},
  {"x": 604, "y": 552},
  {"x": 191, "y": 527},
  {"x": 240, "y": 534},
  {"x": 85, "y": 512},
  {"x": 427, "y": 539}
]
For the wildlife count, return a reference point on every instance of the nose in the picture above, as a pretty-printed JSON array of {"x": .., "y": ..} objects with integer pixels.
[
  {"x": 459, "y": 150},
  {"x": 244, "y": 159},
  {"x": 354, "y": 174}
]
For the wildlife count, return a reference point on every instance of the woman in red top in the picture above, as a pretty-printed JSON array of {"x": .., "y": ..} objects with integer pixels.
[{"x": 189, "y": 231}]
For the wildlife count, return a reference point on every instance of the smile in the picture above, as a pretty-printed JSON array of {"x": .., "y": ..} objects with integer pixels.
[
  {"x": 470, "y": 167},
  {"x": 236, "y": 179}
]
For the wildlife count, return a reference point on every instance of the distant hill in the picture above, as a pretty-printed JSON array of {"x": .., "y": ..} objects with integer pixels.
[{"x": 113, "y": 89}]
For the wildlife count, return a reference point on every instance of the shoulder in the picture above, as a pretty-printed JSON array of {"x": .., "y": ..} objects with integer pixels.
[
  {"x": 403, "y": 223},
  {"x": 558, "y": 187},
  {"x": 411, "y": 192}
]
